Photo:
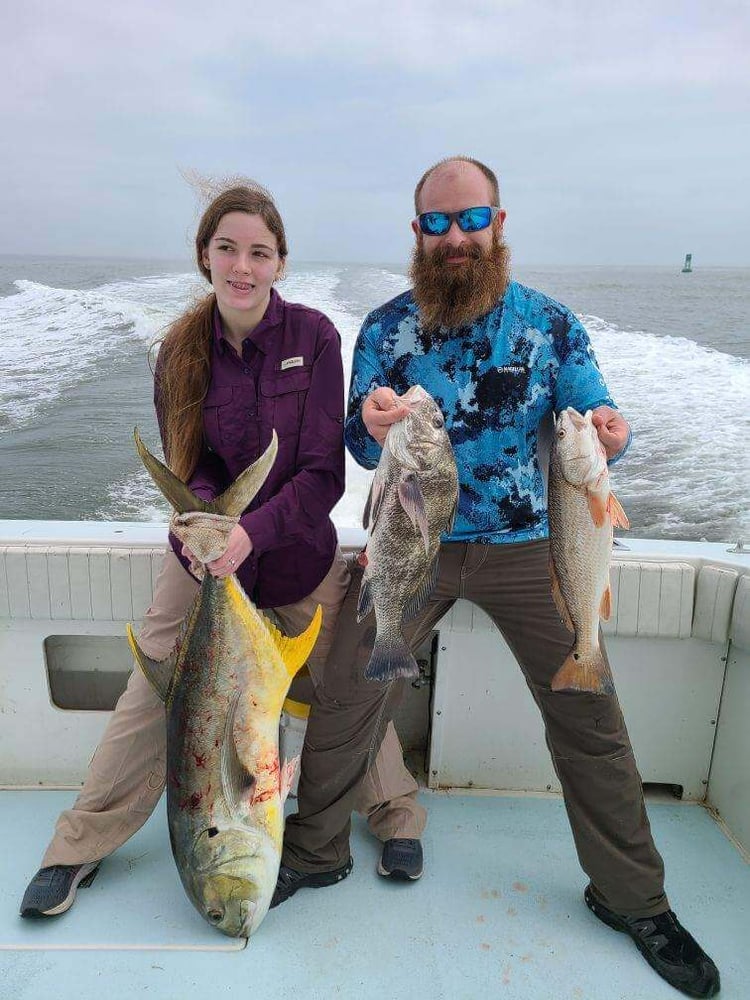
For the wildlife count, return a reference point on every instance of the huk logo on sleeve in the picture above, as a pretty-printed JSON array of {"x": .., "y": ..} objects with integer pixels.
[{"x": 291, "y": 363}]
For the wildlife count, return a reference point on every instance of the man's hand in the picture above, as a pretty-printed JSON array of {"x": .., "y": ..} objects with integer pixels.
[
  {"x": 381, "y": 409},
  {"x": 237, "y": 551},
  {"x": 612, "y": 428}
]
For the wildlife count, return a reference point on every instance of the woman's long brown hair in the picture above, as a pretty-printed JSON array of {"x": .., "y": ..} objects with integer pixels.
[{"x": 183, "y": 368}]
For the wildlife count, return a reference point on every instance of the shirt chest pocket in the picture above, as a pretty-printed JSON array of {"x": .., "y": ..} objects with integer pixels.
[
  {"x": 230, "y": 417},
  {"x": 282, "y": 400}
]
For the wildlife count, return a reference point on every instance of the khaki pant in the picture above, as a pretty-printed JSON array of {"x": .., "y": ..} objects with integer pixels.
[
  {"x": 585, "y": 732},
  {"x": 127, "y": 772}
]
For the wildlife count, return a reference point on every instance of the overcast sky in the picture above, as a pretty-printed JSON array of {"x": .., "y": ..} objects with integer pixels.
[{"x": 620, "y": 131}]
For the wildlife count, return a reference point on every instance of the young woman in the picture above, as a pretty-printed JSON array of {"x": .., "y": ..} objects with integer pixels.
[{"x": 239, "y": 364}]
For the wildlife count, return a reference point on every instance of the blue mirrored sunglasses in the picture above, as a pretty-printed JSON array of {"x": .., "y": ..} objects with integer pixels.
[{"x": 470, "y": 220}]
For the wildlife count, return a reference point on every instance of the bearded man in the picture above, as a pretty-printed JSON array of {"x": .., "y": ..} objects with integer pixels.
[{"x": 499, "y": 358}]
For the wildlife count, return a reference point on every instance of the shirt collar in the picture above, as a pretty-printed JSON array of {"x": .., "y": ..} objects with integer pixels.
[{"x": 266, "y": 329}]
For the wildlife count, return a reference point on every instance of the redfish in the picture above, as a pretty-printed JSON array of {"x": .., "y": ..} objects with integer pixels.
[{"x": 582, "y": 514}]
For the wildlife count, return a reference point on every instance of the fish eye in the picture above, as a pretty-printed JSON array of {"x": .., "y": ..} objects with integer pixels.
[
  {"x": 215, "y": 916},
  {"x": 561, "y": 434},
  {"x": 213, "y": 831},
  {"x": 437, "y": 420}
]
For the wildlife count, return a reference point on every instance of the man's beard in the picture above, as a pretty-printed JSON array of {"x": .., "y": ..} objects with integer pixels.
[{"x": 450, "y": 295}]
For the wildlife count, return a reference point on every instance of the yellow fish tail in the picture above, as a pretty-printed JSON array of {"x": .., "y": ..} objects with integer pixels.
[{"x": 296, "y": 651}]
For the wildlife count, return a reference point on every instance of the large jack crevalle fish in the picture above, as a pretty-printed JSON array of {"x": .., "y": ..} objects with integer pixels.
[
  {"x": 412, "y": 502},
  {"x": 582, "y": 514},
  {"x": 223, "y": 690}
]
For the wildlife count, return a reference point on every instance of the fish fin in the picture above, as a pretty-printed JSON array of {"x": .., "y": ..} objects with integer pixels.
[
  {"x": 179, "y": 495},
  {"x": 411, "y": 499},
  {"x": 286, "y": 777},
  {"x": 616, "y": 513},
  {"x": 365, "y": 602},
  {"x": 391, "y": 658},
  {"x": 598, "y": 508},
  {"x": 157, "y": 672},
  {"x": 295, "y": 650},
  {"x": 236, "y": 780},
  {"x": 587, "y": 672},
  {"x": 605, "y": 608},
  {"x": 374, "y": 500},
  {"x": 422, "y": 594},
  {"x": 243, "y": 490},
  {"x": 557, "y": 597}
]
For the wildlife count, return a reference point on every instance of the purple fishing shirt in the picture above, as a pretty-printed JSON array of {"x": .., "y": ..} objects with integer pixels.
[{"x": 289, "y": 378}]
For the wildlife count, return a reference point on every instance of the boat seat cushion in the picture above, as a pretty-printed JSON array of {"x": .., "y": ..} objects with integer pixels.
[
  {"x": 739, "y": 630},
  {"x": 651, "y": 599},
  {"x": 713, "y": 603}
]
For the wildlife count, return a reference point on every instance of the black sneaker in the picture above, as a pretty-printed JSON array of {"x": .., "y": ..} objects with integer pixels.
[
  {"x": 289, "y": 880},
  {"x": 53, "y": 890},
  {"x": 667, "y": 947},
  {"x": 402, "y": 859}
]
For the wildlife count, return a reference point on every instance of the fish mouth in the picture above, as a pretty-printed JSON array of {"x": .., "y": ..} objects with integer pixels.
[
  {"x": 247, "y": 926},
  {"x": 234, "y": 921},
  {"x": 569, "y": 417},
  {"x": 414, "y": 395}
]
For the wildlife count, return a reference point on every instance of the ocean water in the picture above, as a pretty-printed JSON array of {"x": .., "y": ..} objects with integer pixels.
[{"x": 674, "y": 348}]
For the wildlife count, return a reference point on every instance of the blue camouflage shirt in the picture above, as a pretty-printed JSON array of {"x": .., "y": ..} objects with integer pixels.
[{"x": 495, "y": 381}]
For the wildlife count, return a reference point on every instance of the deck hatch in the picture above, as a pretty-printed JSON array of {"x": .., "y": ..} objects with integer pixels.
[{"x": 87, "y": 672}]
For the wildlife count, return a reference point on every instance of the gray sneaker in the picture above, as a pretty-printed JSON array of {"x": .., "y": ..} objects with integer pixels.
[
  {"x": 401, "y": 859},
  {"x": 53, "y": 890}
]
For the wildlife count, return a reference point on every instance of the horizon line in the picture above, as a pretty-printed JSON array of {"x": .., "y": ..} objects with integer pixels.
[{"x": 366, "y": 263}]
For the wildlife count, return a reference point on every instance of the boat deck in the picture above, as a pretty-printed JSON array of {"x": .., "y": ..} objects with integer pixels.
[{"x": 498, "y": 913}]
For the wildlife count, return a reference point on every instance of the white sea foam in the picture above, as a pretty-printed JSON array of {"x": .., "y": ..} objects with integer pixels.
[
  {"x": 134, "y": 498},
  {"x": 687, "y": 405},
  {"x": 60, "y": 335}
]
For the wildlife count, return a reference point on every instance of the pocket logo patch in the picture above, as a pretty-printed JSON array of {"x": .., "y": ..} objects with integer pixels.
[{"x": 291, "y": 363}]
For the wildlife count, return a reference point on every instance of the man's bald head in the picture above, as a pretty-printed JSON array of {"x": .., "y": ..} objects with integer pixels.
[{"x": 457, "y": 165}]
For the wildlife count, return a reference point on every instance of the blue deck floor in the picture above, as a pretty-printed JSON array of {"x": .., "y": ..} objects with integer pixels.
[{"x": 498, "y": 913}]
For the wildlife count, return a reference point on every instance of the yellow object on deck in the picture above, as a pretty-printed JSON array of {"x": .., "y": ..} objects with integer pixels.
[{"x": 298, "y": 709}]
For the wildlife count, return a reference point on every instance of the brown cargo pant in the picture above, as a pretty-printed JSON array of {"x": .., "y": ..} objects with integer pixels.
[
  {"x": 127, "y": 772},
  {"x": 585, "y": 732}
]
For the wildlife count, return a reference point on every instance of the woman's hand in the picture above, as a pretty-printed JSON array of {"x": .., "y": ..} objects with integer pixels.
[{"x": 237, "y": 551}]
